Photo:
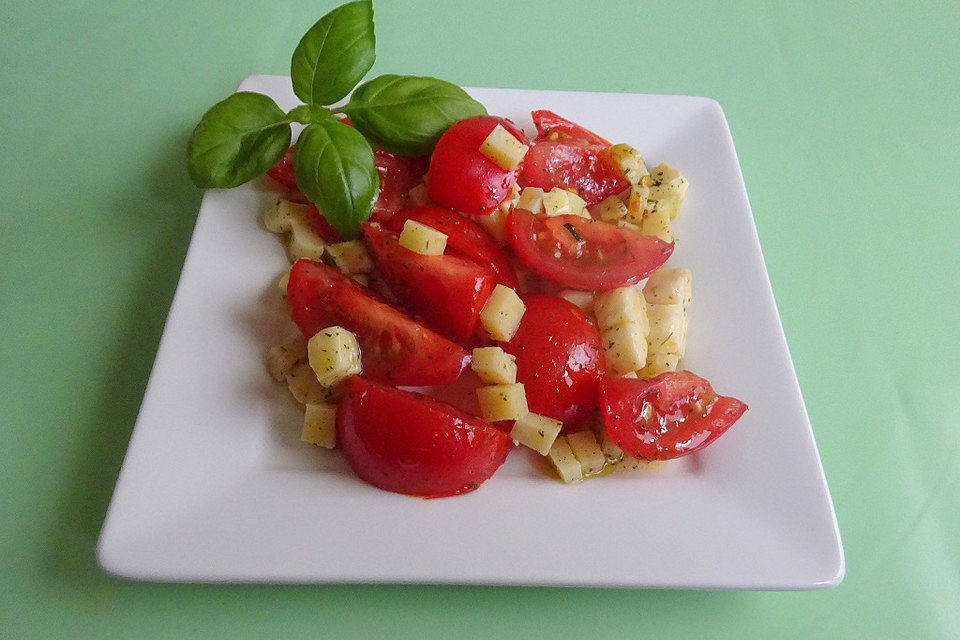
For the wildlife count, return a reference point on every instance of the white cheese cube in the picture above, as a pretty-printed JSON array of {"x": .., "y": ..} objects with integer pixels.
[
  {"x": 494, "y": 365},
  {"x": 583, "y": 299},
  {"x": 625, "y": 348},
  {"x": 658, "y": 363},
  {"x": 531, "y": 199},
  {"x": 334, "y": 355},
  {"x": 495, "y": 224},
  {"x": 536, "y": 431},
  {"x": 668, "y": 329},
  {"x": 502, "y": 313},
  {"x": 320, "y": 425},
  {"x": 278, "y": 217},
  {"x": 422, "y": 239},
  {"x": 667, "y": 183},
  {"x": 657, "y": 223},
  {"x": 305, "y": 388},
  {"x": 350, "y": 258},
  {"x": 556, "y": 202},
  {"x": 282, "y": 358},
  {"x": 611, "y": 209},
  {"x": 628, "y": 225},
  {"x": 587, "y": 451},
  {"x": 501, "y": 147},
  {"x": 502, "y": 402},
  {"x": 611, "y": 451},
  {"x": 630, "y": 162},
  {"x": 669, "y": 286},
  {"x": 562, "y": 458},
  {"x": 304, "y": 242},
  {"x": 418, "y": 195},
  {"x": 620, "y": 306},
  {"x": 578, "y": 205}
]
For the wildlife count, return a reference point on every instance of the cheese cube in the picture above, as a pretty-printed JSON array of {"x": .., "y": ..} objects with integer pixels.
[
  {"x": 536, "y": 431},
  {"x": 587, "y": 451},
  {"x": 630, "y": 374},
  {"x": 562, "y": 458},
  {"x": 303, "y": 241},
  {"x": 620, "y": 306},
  {"x": 657, "y": 222},
  {"x": 334, "y": 355},
  {"x": 531, "y": 199},
  {"x": 502, "y": 402},
  {"x": 510, "y": 201},
  {"x": 422, "y": 239},
  {"x": 625, "y": 347},
  {"x": 667, "y": 182},
  {"x": 320, "y": 425},
  {"x": 502, "y": 313},
  {"x": 668, "y": 328},
  {"x": 278, "y": 217},
  {"x": 282, "y": 358},
  {"x": 669, "y": 286},
  {"x": 611, "y": 209},
  {"x": 578, "y": 206},
  {"x": 350, "y": 258},
  {"x": 583, "y": 299},
  {"x": 418, "y": 195},
  {"x": 283, "y": 282},
  {"x": 637, "y": 203},
  {"x": 305, "y": 388},
  {"x": 557, "y": 202},
  {"x": 494, "y": 365},
  {"x": 628, "y": 225},
  {"x": 504, "y": 149},
  {"x": 611, "y": 451},
  {"x": 658, "y": 363},
  {"x": 630, "y": 162}
]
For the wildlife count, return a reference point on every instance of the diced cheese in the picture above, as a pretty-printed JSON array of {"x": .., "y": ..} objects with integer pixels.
[
  {"x": 303, "y": 241},
  {"x": 611, "y": 209},
  {"x": 282, "y": 358},
  {"x": 503, "y": 148},
  {"x": 562, "y": 458},
  {"x": 630, "y": 374},
  {"x": 510, "y": 202},
  {"x": 625, "y": 348},
  {"x": 531, "y": 199},
  {"x": 422, "y": 239},
  {"x": 620, "y": 306},
  {"x": 334, "y": 355},
  {"x": 669, "y": 286},
  {"x": 637, "y": 203},
  {"x": 536, "y": 431},
  {"x": 668, "y": 328},
  {"x": 657, "y": 222},
  {"x": 502, "y": 402},
  {"x": 630, "y": 162},
  {"x": 418, "y": 195},
  {"x": 494, "y": 365},
  {"x": 583, "y": 299},
  {"x": 668, "y": 182},
  {"x": 278, "y": 217},
  {"x": 495, "y": 224},
  {"x": 662, "y": 208},
  {"x": 305, "y": 388},
  {"x": 658, "y": 363},
  {"x": 587, "y": 451},
  {"x": 502, "y": 313},
  {"x": 320, "y": 425},
  {"x": 350, "y": 258},
  {"x": 556, "y": 202},
  {"x": 611, "y": 452},
  {"x": 578, "y": 206}
]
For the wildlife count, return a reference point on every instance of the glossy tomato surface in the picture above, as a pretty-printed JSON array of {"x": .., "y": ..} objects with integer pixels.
[
  {"x": 573, "y": 163},
  {"x": 282, "y": 172},
  {"x": 548, "y": 123},
  {"x": 464, "y": 236},
  {"x": 463, "y": 179},
  {"x": 413, "y": 444},
  {"x": 394, "y": 348},
  {"x": 583, "y": 253},
  {"x": 559, "y": 359},
  {"x": 665, "y": 417},
  {"x": 447, "y": 291}
]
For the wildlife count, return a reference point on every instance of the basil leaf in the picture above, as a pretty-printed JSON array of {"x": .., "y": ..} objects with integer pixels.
[
  {"x": 408, "y": 114},
  {"x": 237, "y": 140},
  {"x": 335, "y": 169},
  {"x": 334, "y": 55}
]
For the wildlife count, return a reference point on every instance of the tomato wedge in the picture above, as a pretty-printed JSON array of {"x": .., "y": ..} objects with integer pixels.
[
  {"x": 464, "y": 236},
  {"x": 413, "y": 444},
  {"x": 547, "y": 122},
  {"x": 447, "y": 291},
  {"x": 282, "y": 172},
  {"x": 582, "y": 253},
  {"x": 393, "y": 347},
  {"x": 665, "y": 417}
]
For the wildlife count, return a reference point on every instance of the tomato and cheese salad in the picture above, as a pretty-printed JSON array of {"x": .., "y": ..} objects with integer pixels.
[{"x": 529, "y": 270}]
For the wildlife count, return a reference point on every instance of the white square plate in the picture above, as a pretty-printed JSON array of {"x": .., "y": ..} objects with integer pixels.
[{"x": 217, "y": 487}]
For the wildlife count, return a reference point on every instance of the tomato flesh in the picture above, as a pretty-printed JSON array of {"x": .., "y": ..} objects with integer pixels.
[
  {"x": 464, "y": 236},
  {"x": 582, "y": 253},
  {"x": 547, "y": 123},
  {"x": 447, "y": 291},
  {"x": 394, "y": 348},
  {"x": 462, "y": 178},
  {"x": 573, "y": 163},
  {"x": 413, "y": 444},
  {"x": 559, "y": 358},
  {"x": 665, "y": 417}
]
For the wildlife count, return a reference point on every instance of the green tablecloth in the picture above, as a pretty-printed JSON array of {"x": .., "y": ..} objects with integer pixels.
[{"x": 846, "y": 121}]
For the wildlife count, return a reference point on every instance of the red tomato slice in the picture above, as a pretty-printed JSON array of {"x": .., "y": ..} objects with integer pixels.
[
  {"x": 393, "y": 347},
  {"x": 410, "y": 443},
  {"x": 547, "y": 122},
  {"x": 447, "y": 291},
  {"x": 464, "y": 236},
  {"x": 462, "y": 178},
  {"x": 582, "y": 253},
  {"x": 665, "y": 417},
  {"x": 559, "y": 358},
  {"x": 282, "y": 172},
  {"x": 573, "y": 163}
]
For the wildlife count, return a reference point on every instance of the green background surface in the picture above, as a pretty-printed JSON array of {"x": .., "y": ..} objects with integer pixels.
[{"x": 845, "y": 117}]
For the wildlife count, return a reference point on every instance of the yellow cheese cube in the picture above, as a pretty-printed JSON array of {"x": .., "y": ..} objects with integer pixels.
[
  {"x": 668, "y": 328},
  {"x": 611, "y": 451},
  {"x": 350, "y": 258},
  {"x": 669, "y": 286},
  {"x": 637, "y": 203},
  {"x": 620, "y": 306},
  {"x": 657, "y": 223},
  {"x": 562, "y": 458},
  {"x": 494, "y": 365},
  {"x": 587, "y": 451},
  {"x": 418, "y": 195},
  {"x": 305, "y": 388},
  {"x": 304, "y": 242},
  {"x": 583, "y": 299},
  {"x": 334, "y": 355},
  {"x": 502, "y": 402},
  {"x": 320, "y": 425},
  {"x": 531, "y": 199},
  {"x": 578, "y": 205},
  {"x": 611, "y": 209},
  {"x": 536, "y": 431},
  {"x": 667, "y": 182},
  {"x": 630, "y": 162},
  {"x": 502, "y": 313},
  {"x": 658, "y": 363},
  {"x": 422, "y": 239},
  {"x": 556, "y": 202},
  {"x": 625, "y": 347},
  {"x": 504, "y": 149},
  {"x": 282, "y": 358},
  {"x": 278, "y": 217}
]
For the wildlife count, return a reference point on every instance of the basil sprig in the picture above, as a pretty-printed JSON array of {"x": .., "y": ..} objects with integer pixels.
[{"x": 243, "y": 136}]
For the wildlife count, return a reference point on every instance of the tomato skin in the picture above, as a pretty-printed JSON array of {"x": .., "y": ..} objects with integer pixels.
[
  {"x": 674, "y": 425},
  {"x": 413, "y": 444},
  {"x": 463, "y": 179},
  {"x": 573, "y": 163},
  {"x": 464, "y": 236},
  {"x": 559, "y": 358},
  {"x": 607, "y": 257},
  {"x": 282, "y": 172},
  {"x": 393, "y": 347},
  {"x": 548, "y": 122},
  {"x": 447, "y": 291}
]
